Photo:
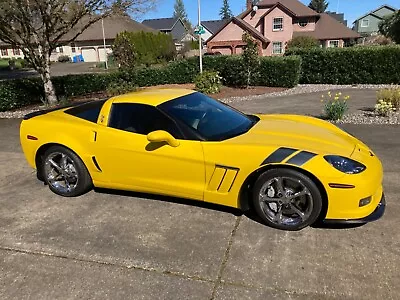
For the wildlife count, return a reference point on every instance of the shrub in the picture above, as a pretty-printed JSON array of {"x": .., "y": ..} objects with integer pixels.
[
  {"x": 383, "y": 108},
  {"x": 208, "y": 82},
  {"x": 374, "y": 65},
  {"x": 390, "y": 96},
  {"x": 20, "y": 92},
  {"x": 143, "y": 48},
  {"x": 335, "y": 107},
  {"x": 64, "y": 59},
  {"x": 303, "y": 42},
  {"x": 279, "y": 71},
  {"x": 120, "y": 87}
]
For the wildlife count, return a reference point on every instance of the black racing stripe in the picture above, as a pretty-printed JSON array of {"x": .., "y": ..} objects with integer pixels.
[
  {"x": 301, "y": 158},
  {"x": 279, "y": 155}
]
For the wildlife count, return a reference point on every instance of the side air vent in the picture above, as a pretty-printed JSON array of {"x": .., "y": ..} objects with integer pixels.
[{"x": 222, "y": 179}]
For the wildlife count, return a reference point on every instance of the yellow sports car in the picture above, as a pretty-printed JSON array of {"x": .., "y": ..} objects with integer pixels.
[{"x": 292, "y": 170}]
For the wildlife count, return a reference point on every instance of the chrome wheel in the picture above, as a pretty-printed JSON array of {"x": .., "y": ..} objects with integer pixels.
[
  {"x": 286, "y": 201},
  {"x": 61, "y": 172}
]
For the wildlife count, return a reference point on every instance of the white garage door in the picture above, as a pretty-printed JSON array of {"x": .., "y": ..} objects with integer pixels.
[
  {"x": 89, "y": 55},
  {"x": 101, "y": 53}
]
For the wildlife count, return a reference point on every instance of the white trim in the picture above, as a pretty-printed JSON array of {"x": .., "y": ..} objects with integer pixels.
[
  {"x": 329, "y": 44},
  {"x": 362, "y": 21},
  {"x": 273, "y": 47},
  {"x": 273, "y": 24}
]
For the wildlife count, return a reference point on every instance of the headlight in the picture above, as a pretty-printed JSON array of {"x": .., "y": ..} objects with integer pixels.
[{"x": 345, "y": 165}]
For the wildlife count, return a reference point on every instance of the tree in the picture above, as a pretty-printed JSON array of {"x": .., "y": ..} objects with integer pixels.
[
  {"x": 180, "y": 12},
  {"x": 250, "y": 57},
  {"x": 318, "y": 5},
  {"x": 38, "y": 27},
  {"x": 225, "y": 11},
  {"x": 390, "y": 27},
  {"x": 303, "y": 42}
]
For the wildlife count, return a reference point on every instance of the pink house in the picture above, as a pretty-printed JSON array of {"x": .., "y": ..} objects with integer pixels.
[{"x": 275, "y": 22}]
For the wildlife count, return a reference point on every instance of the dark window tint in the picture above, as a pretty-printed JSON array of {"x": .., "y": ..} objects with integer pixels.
[
  {"x": 88, "y": 111},
  {"x": 211, "y": 119},
  {"x": 141, "y": 119}
]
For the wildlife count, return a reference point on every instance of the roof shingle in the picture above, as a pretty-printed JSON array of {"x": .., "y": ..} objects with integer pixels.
[
  {"x": 214, "y": 25},
  {"x": 161, "y": 24},
  {"x": 298, "y": 8},
  {"x": 328, "y": 28}
]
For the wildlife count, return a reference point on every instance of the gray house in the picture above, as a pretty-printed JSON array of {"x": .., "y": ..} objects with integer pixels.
[
  {"x": 173, "y": 26},
  {"x": 368, "y": 24}
]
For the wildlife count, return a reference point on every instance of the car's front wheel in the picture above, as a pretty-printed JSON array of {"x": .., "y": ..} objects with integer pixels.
[
  {"x": 65, "y": 173},
  {"x": 286, "y": 199}
]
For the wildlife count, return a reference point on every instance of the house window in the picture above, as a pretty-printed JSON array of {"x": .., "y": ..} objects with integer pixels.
[
  {"x": 303, "y": 22},
  {"x": 16, "y": 52},
  {"x": 277, "y": 48},
  {"x": 61, "y": 49},
  {"x": 4, "y": 52},
  {"x": 365, "y": 23},
  {"x": 277, "y": 24},
  {"x": 334, "y": 44},
  {"x": 73, "y": 49}
]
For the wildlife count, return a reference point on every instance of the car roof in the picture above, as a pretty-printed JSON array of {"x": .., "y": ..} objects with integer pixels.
[{"x": 152, "y": 96}]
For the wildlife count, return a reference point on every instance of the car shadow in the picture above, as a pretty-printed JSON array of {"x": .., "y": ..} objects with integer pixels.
[
  {"x": 251, "y": 214},
  {"x": 161, "y": 198}
]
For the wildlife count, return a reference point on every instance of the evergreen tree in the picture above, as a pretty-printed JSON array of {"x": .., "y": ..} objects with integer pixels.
[
  {"x": 225, "y": 11},
  {"x": 180, "y": 12},
  {"x": 318, "y": 5}
]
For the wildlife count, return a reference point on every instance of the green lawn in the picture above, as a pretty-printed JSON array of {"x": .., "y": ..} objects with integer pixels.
[{"x": 4, "y": 64}]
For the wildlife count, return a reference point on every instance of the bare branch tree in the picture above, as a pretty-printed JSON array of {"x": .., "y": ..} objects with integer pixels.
[{"x": 38, "y": 27}]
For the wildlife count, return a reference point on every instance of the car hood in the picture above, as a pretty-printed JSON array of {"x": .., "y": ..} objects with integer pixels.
[{"x": 299, "y": 132}]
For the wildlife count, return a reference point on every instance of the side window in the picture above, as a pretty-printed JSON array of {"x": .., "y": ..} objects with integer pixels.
[
  {"x": 88, "y": 111},
  {"x": 141, "y": 119}
]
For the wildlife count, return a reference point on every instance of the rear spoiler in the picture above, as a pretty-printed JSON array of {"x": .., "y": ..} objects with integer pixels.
[{"x": 45, "y": 111}]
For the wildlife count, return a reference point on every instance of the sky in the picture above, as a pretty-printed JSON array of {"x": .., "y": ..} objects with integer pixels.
[{"x": 210, "y": 8}]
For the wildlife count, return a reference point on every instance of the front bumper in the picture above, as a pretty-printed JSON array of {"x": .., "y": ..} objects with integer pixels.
[{"x": 376, "y": 214}]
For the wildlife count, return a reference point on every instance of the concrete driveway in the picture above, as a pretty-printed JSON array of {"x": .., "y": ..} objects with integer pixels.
[{"x": 128, "y": 246}]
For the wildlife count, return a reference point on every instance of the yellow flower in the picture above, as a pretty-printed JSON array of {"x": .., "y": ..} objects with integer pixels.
[
  {"x": 340, "y": 94},
  {"x": 322, "y": 100},
  {"x": 336, "y": 98},
  {"x": 347, "y": 98},
  {"x": 322, "y": 96}
]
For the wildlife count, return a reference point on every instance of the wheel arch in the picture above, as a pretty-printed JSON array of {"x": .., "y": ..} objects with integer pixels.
[
  {"x": 40, "y": 153},
  {"x": 245, "y": 202}
]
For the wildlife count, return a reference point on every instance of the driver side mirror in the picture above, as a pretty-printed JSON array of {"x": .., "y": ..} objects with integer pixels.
[{"x": 161, "y": 136}]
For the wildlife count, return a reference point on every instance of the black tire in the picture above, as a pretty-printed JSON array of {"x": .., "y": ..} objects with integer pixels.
[
  {"x": 286, "y": 213},
  {"x": 82, "y": 182}
]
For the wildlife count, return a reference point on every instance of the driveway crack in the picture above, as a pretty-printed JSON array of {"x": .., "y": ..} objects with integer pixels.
[{"x": 225, "y": 259}]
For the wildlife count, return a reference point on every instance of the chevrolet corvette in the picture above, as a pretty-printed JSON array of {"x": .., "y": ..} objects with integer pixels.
[{"x": 291, "y": 170}]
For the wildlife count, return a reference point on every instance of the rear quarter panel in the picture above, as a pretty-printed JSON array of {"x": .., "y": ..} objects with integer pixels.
[{"x": 59, "y": 128}]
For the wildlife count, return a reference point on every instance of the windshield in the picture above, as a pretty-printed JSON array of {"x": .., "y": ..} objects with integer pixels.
[{"x": 211, "y": 119}]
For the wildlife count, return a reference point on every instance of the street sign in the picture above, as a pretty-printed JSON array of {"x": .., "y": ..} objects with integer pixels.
[{"x": 199, "y": 30}]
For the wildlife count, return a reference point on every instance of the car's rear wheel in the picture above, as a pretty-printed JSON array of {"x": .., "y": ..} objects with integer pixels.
[
  {"x": 286, "y": 199},
  {"x": 65, "y": 173}
]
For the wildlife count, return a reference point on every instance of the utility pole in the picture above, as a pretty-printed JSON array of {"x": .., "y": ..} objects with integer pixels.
[
  {"x": 200, "y": 41},
  {"x": 104, "y": 43}
]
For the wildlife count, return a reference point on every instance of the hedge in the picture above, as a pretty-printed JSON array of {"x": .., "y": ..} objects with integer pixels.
[
  {"x": 21, "y": 92},
  {"x": 353, "y": 65},
  {"x": 272, "y": 71}
]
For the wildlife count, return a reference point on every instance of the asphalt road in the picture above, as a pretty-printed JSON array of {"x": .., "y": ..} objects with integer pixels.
[{"x": 107, "y": 245}]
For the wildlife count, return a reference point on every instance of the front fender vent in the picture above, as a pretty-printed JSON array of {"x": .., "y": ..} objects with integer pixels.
[{"x": 222, "y": 179}]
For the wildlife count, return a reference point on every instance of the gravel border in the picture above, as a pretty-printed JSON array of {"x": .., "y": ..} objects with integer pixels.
[
  {"x": 310, "y": 88},
  {"x": 357, "y": 118},
  {"x": 370, "y": 118}
]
